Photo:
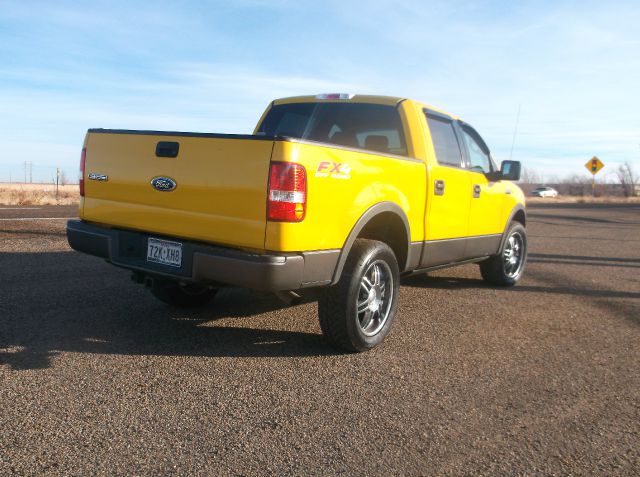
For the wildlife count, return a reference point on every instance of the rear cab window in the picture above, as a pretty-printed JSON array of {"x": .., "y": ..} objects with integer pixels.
[{"x": 373, "y": 127}]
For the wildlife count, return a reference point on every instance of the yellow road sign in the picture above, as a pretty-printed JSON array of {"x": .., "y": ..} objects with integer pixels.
[{"x": 594, "y": 165}]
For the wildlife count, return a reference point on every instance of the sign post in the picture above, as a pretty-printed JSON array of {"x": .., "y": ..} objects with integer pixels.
[{"x": 594, "y": 165}]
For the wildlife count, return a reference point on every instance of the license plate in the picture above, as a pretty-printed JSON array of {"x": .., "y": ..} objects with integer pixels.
[{"x": 164, "y": 252}]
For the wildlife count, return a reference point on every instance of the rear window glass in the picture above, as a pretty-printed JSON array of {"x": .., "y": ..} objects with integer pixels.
[{"x": 374, "y": 127}]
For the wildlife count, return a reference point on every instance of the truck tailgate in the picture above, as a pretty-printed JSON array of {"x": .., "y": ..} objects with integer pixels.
[{"x": 221, "y": 185}]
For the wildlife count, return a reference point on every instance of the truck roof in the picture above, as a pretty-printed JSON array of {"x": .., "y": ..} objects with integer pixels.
[{"x": 359, "y": 98}]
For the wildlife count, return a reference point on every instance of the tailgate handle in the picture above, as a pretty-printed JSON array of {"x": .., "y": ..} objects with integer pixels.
[{"x": 167, "y": 149}]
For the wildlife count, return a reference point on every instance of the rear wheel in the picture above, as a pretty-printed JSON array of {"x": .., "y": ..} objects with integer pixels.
[
  {"x": 356, "y": 314},
  {"x": 505, "y": 269},
  {"x": 184, "y": 296}
]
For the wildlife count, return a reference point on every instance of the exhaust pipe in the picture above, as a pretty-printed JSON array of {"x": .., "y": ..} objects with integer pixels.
[{"x": 288, "y": 297}]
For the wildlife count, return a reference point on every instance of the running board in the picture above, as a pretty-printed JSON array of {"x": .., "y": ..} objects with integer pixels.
[{"x": 444, "y": 265}]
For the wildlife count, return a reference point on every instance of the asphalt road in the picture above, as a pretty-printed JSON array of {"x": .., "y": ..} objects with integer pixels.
[{"x": 97, "y": 377}]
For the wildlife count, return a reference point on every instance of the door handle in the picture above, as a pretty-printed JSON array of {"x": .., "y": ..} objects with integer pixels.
[
  {"x": 439, "y": 187},
  {"x": 167, "y": 149},
  {"x": 476, "y": 191}
]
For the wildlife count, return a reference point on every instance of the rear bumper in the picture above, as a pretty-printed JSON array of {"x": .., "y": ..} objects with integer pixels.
[{"x": 202, "y": 263}]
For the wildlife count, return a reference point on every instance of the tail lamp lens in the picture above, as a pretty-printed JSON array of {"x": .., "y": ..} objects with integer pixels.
[
  {"x": 287, "y": 200},
  {"x": 83, "y": 160}
]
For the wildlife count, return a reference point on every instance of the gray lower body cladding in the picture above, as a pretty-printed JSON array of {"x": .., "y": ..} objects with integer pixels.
[
  {"x": 203, "y": 263},
  {"x": 439, "y": 252}
]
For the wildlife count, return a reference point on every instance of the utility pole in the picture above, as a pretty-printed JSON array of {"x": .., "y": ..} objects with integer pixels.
[
  {"x": 57, "y": 181},
  {"x": 25, "y": 172},
  {"x": 30, "y": 172}
]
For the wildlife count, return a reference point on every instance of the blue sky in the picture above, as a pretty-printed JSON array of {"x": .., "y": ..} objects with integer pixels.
[{"x": 573, "y": 66}]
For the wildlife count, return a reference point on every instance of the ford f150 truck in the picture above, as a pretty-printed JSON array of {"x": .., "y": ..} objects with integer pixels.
[{"x": 335, "y": 193}]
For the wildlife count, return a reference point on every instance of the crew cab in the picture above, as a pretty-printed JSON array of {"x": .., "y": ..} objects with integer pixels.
[{"x": 335, "y": 194}]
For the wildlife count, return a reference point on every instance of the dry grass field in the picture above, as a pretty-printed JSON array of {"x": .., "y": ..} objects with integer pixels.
[{"x": 38, "y": 194}]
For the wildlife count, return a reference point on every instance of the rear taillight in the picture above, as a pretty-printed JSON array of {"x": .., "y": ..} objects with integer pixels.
[
  {"x": 287, "y": 199},
  {"x": 83, "y": 160}
]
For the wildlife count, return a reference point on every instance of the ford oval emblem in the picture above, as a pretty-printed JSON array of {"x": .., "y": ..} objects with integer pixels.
[{"x": 163, "y": 184}]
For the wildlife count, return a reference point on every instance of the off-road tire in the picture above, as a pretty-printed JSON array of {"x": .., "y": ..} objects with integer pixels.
[
  {"x": 183, "y": 296},
  {"x": 340, "y": 321},
  {"x": 497, "y": 270}
]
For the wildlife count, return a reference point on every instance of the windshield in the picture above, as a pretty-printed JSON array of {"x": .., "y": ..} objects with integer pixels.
[{"x": 374, "y": 127}]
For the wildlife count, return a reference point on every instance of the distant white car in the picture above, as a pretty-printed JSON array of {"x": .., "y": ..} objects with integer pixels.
[{"x": 544, "y": 192}]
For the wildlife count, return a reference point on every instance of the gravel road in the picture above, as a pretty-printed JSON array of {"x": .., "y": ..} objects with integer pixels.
[{"x": 97, "y": 377}]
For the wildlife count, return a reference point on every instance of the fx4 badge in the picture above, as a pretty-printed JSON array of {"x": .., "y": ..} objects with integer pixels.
[{"x": 335, "y": 170}]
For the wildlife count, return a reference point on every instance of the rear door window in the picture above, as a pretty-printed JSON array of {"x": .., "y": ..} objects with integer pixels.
[{"x": 444, "y": 140}]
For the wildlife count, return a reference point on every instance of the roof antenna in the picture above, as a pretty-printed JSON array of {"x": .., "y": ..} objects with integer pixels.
[{"x": 515, "y": 131}]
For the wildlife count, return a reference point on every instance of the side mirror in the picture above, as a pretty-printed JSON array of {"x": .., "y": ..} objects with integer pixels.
[{"x": 510, "y": 170}]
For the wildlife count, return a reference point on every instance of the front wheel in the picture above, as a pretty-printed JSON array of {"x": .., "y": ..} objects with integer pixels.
[
  {"x": 505, "y": 269},
  {"x": 356, "y": 314}
]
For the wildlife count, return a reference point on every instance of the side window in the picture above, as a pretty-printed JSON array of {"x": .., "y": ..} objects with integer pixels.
[
  {"x": 445, "y": 142},
  {"x": 479, "y": 159}
]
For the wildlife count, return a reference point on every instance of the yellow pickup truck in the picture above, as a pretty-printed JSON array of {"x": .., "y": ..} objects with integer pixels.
[{"x": 337, "y": 194}]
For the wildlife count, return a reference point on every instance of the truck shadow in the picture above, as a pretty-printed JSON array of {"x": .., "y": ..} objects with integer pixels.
[
  {"x": 574, "y": 218},
  {"x": 60, "y": 302},
  {"x": 455, "y": 283},
  {"x": 65, "y": 302},
  {"x": 623, "y": 304},
  {"x": 618, "y": 262}
]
